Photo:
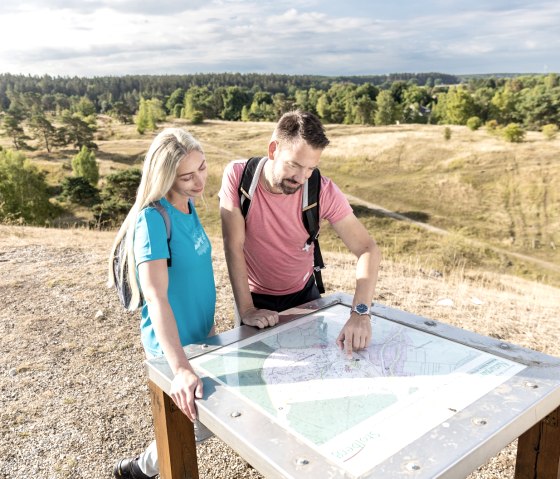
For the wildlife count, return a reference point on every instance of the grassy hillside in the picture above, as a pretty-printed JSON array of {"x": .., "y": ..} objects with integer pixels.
[
  {"x": 494, "y": 198},
  {"x": 74, "y": 396}
]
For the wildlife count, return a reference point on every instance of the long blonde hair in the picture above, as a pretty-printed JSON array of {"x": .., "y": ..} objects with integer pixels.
[{"x": 168, "y": 148}]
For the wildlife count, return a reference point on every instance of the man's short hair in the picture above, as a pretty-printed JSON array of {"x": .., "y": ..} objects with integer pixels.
[{"x": 296, "y": 125}]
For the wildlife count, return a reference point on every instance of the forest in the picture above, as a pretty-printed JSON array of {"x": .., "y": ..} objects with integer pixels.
[
  {"x": 66, "y": 116},
  {"x": 530, "y": 101}
]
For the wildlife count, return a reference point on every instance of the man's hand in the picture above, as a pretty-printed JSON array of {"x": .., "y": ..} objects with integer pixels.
[
  {"x": 185, "y": 387},
  {"x": 261, "y": 318},
  {"x": 355, "y": 335}
]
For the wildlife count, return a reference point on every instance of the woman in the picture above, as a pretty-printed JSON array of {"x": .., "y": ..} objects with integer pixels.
[{"x": 178, "y": 300}]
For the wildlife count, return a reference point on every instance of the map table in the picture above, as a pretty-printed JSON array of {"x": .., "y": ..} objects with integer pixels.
[{"x": 424, "y": 400}]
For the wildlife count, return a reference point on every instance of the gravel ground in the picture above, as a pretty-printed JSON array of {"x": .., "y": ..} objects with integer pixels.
[{"x": 73, "y": 391}]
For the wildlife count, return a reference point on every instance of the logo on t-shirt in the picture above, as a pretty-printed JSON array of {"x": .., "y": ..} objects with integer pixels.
[{"x": 201, "y": 243}]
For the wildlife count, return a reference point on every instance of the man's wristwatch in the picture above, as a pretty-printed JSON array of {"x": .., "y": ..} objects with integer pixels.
[{"x": 362, "y": 309}]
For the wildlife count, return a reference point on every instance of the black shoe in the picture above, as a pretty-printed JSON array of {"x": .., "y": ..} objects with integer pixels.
[{"x": 129, "y": 469}]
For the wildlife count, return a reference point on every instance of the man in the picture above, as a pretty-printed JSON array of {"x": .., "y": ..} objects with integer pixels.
[{"x": 269, "y": 266}]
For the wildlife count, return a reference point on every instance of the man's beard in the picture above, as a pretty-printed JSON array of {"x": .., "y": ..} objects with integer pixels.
[{"x": 287, "y": 186}]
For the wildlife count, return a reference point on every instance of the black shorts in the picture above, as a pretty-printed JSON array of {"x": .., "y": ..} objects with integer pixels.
[{"x": 287, "y": 301}]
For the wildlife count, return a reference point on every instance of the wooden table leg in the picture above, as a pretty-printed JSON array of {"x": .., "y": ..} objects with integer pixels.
[
  {"x": 174, "y": 438},
  {"x": 538, "y": 450}
]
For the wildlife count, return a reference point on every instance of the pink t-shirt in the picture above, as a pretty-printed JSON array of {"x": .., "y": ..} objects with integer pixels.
[{"x": 275, "y": 235}]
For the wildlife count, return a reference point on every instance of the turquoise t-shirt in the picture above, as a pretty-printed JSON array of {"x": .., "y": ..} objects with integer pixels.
[{"x": 191, "y": 288}]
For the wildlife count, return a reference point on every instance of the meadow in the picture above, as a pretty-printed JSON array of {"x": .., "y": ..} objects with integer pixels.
[
  {"x": 473, "y": 202},
  {"x": 73, "y": 390}
]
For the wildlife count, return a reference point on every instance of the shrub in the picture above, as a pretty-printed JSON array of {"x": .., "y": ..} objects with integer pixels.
[
  {"x": 492, "y": 126},
  {"x": 474, "y": 123},
  {"x": 79, "y": 190},
  {"x": 197, "y": 117},
  {"x": 513, "y": 133},
  {"x": 550, "y": 131},
  {"x": 447, "y": 133},
  {"x": 117, "y": 197}
]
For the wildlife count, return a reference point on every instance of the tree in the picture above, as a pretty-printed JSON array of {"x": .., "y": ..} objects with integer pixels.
[
  {"x": 234, "y": 98},
  {"x": 84, "y": 165},
  {"x": 198, "y": 99},
  {"x": 149, "y": 113},
  {"x": 386, "y": 113},
  {"x": 13, "y": 127},
  {"x": 23, "y": 190},
  {"x": 141, "y": 119},
  {"x": 459, "y": 106},
  {"x": 44, "y": 131},
  {"x": 324, "y": 108},
  {"x": 117, "y": 197},
  {"x": 76, "y": 131},
  {"x": 176, "y": 98},
  {"x": 504, "y": 105},
  {"x": 84, "y": 107}
]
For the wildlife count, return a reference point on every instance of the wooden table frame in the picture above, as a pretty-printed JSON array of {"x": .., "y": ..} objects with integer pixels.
[{"x": 538, "y": 451}]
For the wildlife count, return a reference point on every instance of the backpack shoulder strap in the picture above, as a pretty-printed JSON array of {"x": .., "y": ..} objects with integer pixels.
[
  {"x": 167, "y": 220},
  {"x": 311, "y": 221},
  {"x": 249, "y": 181}
]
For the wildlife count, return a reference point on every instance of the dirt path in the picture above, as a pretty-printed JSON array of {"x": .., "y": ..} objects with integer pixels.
[{"x": 435, "y": 229}]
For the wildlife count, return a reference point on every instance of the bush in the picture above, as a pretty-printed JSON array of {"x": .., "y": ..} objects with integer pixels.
[
  {"x": 24, "y": 193},
  {"x": 492, "y": 126},
  {"x": 550, "y": 131},
  {"x": 474, "y": 123},
  {"x": 447, "y": 133},
  {"x": 80, "y": 191},
  {"x": 513, "y": 133},
  {"x": 197, "y": 117},
  {"x": 117, "y": 197}
]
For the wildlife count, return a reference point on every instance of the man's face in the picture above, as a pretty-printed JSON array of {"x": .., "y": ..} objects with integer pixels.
[{"x": 293, "y": 165}]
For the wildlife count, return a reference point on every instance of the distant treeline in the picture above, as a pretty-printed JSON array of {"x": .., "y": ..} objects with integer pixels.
[
  {"x": 113, "y": 88},
  {"x": 530, "y": 101}
]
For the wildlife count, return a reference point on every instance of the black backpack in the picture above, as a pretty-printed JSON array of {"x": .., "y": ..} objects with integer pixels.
[
  {"x": 123, "y": 287},
  {"x": 309, "y": 208}
]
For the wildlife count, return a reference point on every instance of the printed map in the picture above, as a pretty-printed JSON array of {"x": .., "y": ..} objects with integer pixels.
[{"x": 357, "y": 412}]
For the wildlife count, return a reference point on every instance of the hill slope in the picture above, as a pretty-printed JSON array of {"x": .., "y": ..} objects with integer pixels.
[{"x": 72, "y": 385}]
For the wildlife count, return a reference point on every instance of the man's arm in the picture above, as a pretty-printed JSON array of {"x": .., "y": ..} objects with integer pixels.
[
  {"x": 233, "y": 232},
  {"x": 356, "y": 333}
]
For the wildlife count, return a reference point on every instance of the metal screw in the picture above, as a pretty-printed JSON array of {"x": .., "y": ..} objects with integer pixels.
[
  {"x": 504, "y": 346},
  {"x": 430, "y": 323},
  {"x": 479, "y": 421},
  {"x": 301, "y": 461},
  {"x": 204, "y": 346},
  {"x": 235, "y": 414},
  {"x": 412, "y": 466},
  {"x": 531, "y": 385}
]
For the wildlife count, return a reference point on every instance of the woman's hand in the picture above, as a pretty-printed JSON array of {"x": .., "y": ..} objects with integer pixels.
[{"x": 185, "y": 388}]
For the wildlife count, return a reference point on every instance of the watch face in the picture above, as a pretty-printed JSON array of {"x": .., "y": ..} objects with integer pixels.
[{"x": 362, "y": 308}]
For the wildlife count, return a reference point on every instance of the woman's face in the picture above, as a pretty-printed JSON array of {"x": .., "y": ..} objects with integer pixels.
[{"x": 191, "y": 175}]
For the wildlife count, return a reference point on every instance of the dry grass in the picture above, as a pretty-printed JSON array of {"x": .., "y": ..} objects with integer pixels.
[{"x": 73, "y": 388}]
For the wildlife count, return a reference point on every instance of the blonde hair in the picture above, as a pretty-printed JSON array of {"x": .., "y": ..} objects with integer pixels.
[{"x": 168, "y": 148}]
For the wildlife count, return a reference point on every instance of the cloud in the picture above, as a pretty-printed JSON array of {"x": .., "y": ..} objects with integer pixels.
[{"x": 118, "y": 37}]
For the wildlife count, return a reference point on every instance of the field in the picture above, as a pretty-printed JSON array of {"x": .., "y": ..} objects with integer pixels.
[
  {"x": 473, "y": 202},
  {"x": 72, "y": 384}
]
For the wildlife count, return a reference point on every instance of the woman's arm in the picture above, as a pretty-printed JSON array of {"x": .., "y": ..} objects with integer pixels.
[{"x": 186, "y": 385}]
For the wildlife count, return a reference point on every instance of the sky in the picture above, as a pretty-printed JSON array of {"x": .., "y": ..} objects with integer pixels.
[{"x": 340, "y": 37}]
